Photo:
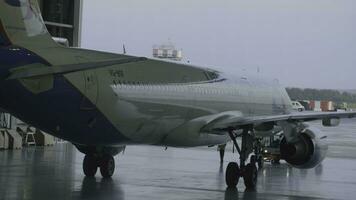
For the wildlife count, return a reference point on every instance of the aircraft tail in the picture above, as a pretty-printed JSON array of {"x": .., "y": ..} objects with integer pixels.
[{"x": 21, "y": 24}]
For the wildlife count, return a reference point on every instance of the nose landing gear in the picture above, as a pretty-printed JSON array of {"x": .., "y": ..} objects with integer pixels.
[{"x": 247, "y": 172}]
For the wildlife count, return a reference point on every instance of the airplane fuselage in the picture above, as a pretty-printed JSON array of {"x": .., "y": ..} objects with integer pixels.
[
  {"x": 139, "y": 103},
  {"x": 103, "y": 101}
]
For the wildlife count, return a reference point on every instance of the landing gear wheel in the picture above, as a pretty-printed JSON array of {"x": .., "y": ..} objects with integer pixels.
[
  {"x": 90, "y": 165},
  {"x": 107, "y": 166},
  {"x": 232, "y": 174},
  {"x": 250, "y": 176}
]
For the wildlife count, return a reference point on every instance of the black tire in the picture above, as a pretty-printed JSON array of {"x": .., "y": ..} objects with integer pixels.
[
  {"x": 107, "y": 166},
  {"x": 90, "y": 165},
  {"x": 232, "y": 175},
  {"x": 250, "y": 176}
]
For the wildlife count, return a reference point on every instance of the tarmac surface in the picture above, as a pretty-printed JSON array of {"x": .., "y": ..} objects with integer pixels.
[{"x": 146, "y": 172}]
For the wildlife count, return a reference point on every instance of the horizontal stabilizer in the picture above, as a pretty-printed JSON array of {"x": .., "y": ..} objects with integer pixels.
[{"x": 35, "y": 70}]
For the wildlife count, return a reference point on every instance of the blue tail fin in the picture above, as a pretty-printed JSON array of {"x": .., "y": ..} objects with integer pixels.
[{"x": 22, "y": 25}]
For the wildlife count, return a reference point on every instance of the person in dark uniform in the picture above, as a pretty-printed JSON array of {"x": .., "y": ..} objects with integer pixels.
[{"x": 221, "y": 149}]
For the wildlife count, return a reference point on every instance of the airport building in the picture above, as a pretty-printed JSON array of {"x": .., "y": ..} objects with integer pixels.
[{"x": 167, "y": 51}]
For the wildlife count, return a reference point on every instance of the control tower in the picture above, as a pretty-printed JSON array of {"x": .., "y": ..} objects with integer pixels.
[{"x": 167, "y": 51}]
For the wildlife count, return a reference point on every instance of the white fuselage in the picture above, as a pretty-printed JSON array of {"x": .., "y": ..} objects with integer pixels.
[{"x": 159, "y": 113}]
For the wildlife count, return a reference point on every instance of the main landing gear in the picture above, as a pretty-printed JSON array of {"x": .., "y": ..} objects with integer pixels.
[
  {"x": 99, "y": 157},
  {"x": 246, "y": 171},
  {"x": 92, "y": 162}
]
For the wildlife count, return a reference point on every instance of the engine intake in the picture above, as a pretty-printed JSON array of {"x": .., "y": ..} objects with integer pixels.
[{"x": 309, "y": 150}]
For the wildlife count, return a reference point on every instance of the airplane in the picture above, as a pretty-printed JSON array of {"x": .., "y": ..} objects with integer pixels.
[{"x": 102, "y": 102}]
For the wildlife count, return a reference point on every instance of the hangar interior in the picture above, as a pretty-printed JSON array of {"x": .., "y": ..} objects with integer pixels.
[{"x": 63, "y": 21}]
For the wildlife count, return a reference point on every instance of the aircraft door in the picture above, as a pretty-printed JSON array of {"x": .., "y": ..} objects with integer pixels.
[{"x": 91, "y": 91}]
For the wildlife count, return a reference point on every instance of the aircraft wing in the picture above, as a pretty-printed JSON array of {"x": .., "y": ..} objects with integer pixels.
[{"x": 240, "y": 121}]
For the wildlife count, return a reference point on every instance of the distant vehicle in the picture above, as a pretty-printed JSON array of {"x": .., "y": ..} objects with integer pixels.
[
  {"x": 297, "y": 106},
  {"x": 341, "y": 106},
  {"x": 271, "y": 154},
  {"x": 271, "y": 149}
]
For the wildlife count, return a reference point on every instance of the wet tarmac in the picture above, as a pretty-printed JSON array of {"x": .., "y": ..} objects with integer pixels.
[{"x": 146, "y": 172}]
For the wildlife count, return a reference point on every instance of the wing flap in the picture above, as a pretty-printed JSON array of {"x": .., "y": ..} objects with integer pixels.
[{"x": 239, "y": 121}]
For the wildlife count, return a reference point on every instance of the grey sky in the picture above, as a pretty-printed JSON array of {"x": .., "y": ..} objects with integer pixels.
[{"x": 303, "y": 43}]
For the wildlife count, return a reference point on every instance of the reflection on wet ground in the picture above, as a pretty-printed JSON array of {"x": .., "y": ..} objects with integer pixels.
[{"x": 145, "y": 172}]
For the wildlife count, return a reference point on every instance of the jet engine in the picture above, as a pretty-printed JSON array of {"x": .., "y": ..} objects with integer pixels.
[{"x": 308, "y": 151}]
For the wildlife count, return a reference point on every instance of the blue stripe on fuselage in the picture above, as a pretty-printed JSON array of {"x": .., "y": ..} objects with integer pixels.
[
  {"x": 13, "y": 56},
  {"x": 57, "y": 111}
]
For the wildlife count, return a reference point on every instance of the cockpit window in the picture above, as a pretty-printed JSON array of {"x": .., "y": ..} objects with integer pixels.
[{"x": 211, "y": 75}]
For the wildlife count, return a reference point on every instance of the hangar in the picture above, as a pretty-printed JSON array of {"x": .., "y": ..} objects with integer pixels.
[{"x": 63, "y": 19}]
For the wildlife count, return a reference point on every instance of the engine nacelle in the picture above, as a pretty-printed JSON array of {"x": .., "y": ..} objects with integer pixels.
[{"x": 309, "y": 151}]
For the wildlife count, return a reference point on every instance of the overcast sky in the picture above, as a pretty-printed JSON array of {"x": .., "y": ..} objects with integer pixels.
[{"x": 303, "y": 43}]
